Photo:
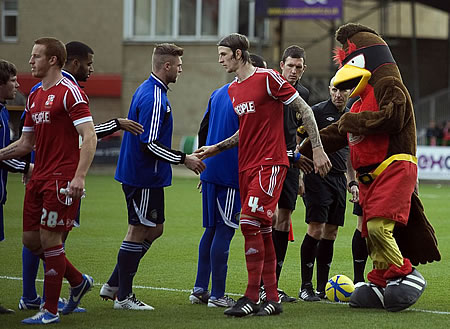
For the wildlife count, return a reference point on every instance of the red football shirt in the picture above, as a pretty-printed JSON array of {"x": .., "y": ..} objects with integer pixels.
[
  {"x": 258, "y": 101},
  {"x": 52, "y": 115}
]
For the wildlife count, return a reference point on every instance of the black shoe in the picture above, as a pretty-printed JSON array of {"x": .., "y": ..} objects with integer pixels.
[
  {"x": 307, "y": 294},
  {"x": 321, "y": 294},
  {"x": 262, "y": 294},
  {"x": 285, "y": 298},
  {"x": 244, "y": 306},
  {"x": 270, "y": 308},
  {"x": 4, "y": 310}
]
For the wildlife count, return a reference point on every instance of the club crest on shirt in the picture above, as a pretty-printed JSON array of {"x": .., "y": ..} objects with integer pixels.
[
  {"x": 49, "y": 101},
  {"x": 355, "y": 139},
  {"x": 244, "y": 108}
]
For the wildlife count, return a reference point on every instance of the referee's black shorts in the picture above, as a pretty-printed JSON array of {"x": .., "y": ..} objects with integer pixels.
[
  {"x": 325, "y": 198},
  {"x": 357, "y": 210},
  {"x": 288, "y": 196}
]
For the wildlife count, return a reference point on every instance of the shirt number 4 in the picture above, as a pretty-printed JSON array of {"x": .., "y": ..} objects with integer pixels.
[{"x": 253, "y": 203}]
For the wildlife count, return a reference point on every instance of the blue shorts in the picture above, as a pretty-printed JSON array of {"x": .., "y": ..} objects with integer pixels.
[
  {"x": 145, "y": 205},
  {"x": 221, "y": 204}
]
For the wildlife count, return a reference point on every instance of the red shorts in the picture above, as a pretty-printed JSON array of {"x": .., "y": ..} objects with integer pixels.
[
  {"x": 260, "y": 189},
  {"x": 45, "y": 207},
  {"x": 389, "y": 195}
]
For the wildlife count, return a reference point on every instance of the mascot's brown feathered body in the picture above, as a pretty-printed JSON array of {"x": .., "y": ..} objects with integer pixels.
[{"x": 381, "y": 133}]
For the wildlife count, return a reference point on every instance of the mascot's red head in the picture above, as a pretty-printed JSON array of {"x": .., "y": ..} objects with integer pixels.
[{"x": 362, "y": 58}]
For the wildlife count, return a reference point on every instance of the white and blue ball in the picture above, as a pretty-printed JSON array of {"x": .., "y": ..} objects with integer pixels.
[{"x": 339, "y": 288}]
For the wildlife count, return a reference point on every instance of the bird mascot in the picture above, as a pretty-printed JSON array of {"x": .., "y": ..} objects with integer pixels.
[{"x": 380, "y": 131}]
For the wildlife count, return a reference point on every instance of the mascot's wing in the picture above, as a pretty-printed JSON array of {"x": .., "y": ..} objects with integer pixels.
[
  {"x": 390, "y": 118},
  {"x": 417, "y": 240}
]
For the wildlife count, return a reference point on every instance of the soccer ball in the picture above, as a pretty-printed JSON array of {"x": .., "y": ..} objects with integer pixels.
[{"x": 339, "y": 288}]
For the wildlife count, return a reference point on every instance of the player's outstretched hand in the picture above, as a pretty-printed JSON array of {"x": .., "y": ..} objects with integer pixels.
[
  {"x": 304, "y": 164},
  {"x": 322, "y": 164},
  {"x": 194, "y": 163},
  {"x": 130, "y": 126},
  {"x": 206, "y": 152}
]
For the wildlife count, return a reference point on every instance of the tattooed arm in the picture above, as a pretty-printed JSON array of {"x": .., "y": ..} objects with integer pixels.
[
  {"x": 19, "y": 148},
  {"x": 209, "y": 151},
  {"x": 322, "y": 164}
]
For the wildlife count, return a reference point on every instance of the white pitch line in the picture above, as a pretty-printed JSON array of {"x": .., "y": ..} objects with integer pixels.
[
  {"x": 101, "y": 284},
  {"x": 230, "y": 294}
]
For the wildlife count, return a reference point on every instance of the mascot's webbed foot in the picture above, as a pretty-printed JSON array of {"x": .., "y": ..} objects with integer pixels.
[
  {"x": 367, "y": 295},
  {"x": 403, "y": 292}
]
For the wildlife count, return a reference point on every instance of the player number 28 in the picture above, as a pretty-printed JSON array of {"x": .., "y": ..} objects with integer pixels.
[{"x": 52, "y": 217}]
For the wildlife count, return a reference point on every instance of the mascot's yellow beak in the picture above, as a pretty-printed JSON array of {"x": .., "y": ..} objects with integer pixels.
[{"x": 352, "y": 77}]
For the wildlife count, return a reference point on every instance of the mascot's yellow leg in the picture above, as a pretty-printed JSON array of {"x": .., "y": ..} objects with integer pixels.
[{"x": 383, "y": 248}]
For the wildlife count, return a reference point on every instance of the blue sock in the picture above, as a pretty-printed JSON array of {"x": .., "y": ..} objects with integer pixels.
[
  {"x": 204, "y": 261},
  {"x": 113, "y": 280},
  {"x": 30, "y": 267},
  {"x": 127, "y": 262},
  {"x": 220, "y": 250}
]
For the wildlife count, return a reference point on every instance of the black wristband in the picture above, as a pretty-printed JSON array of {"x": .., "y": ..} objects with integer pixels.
[{"x": 353, "y": 183}]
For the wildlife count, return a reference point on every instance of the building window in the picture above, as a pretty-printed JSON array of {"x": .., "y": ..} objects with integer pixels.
[
  {"x": 248, "y": 24},
  {"x": 188, "y": 20},
  {"x": 9, "y": 20}
]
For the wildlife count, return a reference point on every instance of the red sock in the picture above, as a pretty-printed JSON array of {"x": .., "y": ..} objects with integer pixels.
[
  {"x": 270, "y": 263},
  {"x": 254, "y": 258},
  {"x": 376, "y": 276},
  {"x": 55, "y": 266},
  {"x": 72, "y": 275},
  {"x": 396, "y": 272}
]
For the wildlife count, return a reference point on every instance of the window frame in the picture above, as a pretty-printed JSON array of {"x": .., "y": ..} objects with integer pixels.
[
  {"x": 227, "y": 23},
  {"x": 4, "y": 14}
]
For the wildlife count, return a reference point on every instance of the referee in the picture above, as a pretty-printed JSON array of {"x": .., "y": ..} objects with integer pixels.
[{"x": 324, "y": 200}]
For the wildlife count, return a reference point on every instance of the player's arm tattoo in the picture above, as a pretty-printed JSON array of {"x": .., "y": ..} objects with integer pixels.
[
  {"x": 228, "y": 143},
  {"x": 300, "y": 106},
  {"x": 8, "y": 151}
]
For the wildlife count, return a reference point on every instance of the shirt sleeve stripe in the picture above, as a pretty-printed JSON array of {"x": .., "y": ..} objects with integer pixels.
[
  {"x": 291, "y": 99},
  {"x": 65, "y": 101},
  {"x": 82, "y": 120},
  {"x": 163, "y": 153},
  {"x": 15, "y": 164},
  {"x": 268, "y": 87},
  {"x": 74, "y": 90},
  {"x": 277, "y": 78},
  {"x": 106, "y": 126},
  {"x": 156, "y": 112}
]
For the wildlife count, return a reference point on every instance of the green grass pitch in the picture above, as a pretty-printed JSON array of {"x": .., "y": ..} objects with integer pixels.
[{"x": 167, "y": 272}]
